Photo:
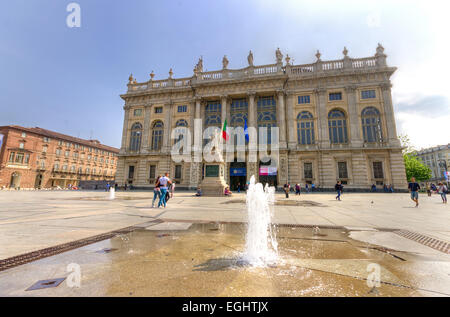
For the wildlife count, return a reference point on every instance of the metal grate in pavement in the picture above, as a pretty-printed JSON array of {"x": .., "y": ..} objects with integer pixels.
[{"x": 433, "y": 243}]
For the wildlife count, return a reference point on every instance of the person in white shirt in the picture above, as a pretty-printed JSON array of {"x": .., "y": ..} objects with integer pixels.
[{"x": 163, "y": 184}]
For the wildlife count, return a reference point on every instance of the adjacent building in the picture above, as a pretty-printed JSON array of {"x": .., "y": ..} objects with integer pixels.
[
  {"x": 40, "y": 158},
  {"x": 437, "y": 158},
  {"x": 335, "y": 120}
]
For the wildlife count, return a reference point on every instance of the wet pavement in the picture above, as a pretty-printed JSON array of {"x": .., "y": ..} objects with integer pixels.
[{"x": 203, "y": 259}]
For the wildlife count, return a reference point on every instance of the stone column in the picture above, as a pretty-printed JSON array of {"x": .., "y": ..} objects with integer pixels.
[
  {"x": 223, "y": 101},
  {"x": 322, "y": 118},
  {"x": 146, "y": 128},
  {"x": 123, "y": 147},
  {"x": 354, "y": 122},
  {"x": 389, "y": 115},
  {"x": 252, "y": 111},
  {"x": 167, "y": 126},
  {"x": 281, "y": 119},
  {"x": 291, "y": 118}
]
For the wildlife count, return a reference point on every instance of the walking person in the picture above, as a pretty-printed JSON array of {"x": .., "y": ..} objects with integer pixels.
[
  {"x": 307, "y": 188},
  {"x": 297, "y": 189},
  {"x": 163, "y": 183},
  {"x": 442, "y": 189},
  {"x": 428, "y": 189},
  {"x": 414, "y": 189},
  {"x": 338, "y": 187},
  {"x": 172, "y": 189},
  {"x": 156, "y": 191},
  {"x": 287, "y": 187}
]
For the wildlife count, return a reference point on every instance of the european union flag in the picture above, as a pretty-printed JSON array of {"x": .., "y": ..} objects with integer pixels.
[{"x": 246, "y": 131}]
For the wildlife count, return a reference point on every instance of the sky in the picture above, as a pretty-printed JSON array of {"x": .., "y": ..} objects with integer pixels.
[{"x": 70, "y": 79}]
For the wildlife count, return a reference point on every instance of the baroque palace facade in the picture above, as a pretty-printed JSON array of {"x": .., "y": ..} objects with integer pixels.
[{"x": 335, "y": 120}]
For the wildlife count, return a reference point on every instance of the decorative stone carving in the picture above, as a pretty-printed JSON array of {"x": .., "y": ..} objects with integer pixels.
[
  {"x": 199, "y": 66},
  {"x": 152, "y": 75},
  {"x": 345, "y": 51},
  {"x": 250, "y": 58},
  {"x": 318, "y": 56},
  {"x": 287, "y": 59},
  {"x": 380, "y": 50},
  {"x": 279, "y": 56},
  {"x": 225, "y": 62},
  {"x": 130, "y": 79},
  {"x": 170, "y": 73}
]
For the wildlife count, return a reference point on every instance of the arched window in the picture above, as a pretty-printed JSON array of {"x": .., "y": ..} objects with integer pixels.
[
  {"x": 371, "y": 125},
  {"x": 213, "y": 112},
  {"x": 267, "y": 115},
  {"x": 337, "y": 126},
  {"x": 136, "y": 135},
  {"x": 180, "y": 123},
  {"x": 305, "y": 128},
  {"x": 157, "y": 135}
]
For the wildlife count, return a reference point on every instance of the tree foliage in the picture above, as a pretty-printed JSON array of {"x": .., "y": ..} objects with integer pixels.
[{"x": 413, "y": 165}]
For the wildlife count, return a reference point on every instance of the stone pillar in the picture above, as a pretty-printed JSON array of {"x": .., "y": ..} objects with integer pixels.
[
  {"x": 354, "y": 119},
  {"x": 281, "y": 119},
  {"x": 167, "y": 126},
  {"x": 146, "y": 128},
  {"x": 322, "y": 118},
  {"x": 291, "y": 118},
  {"x": 223, "y": 101},
  {"x": 123, "y": 147},
  {"x": 389, "y": 115},
  {"x": 252, "y": 110}
]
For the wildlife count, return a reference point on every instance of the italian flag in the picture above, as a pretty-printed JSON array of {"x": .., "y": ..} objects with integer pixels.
[{"x": 224, "y": 131}]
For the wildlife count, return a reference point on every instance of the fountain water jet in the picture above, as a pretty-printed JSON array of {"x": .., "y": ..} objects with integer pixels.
[
  {"x": 112, "y": 193},
  {"x": 261, "y": 247}
]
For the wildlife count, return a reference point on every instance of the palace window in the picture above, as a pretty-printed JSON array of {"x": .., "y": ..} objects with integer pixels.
[
  {"x": 335, "y": 96},
  {"x": 131, "y": 172},
  {"x": 305, "y": 128},
  {"x": 66, "y": 153},
  {"x": 19, "y": 158},
  {"x": 24, "y": 135},
  {"x": 11, "y": 157},
  {"x": 371, "y": 125},
  {"x": 342, "y": 170},
  {"x": 27, "y": 158},
  {"x": 304, "y": 99},
  {"x": 307, "y": 170},
  {"x": 56, "y": 167},
  {"x": 368, "y": 94},
  {"x": 21, "y": 145},
  {"x": 58, "y": 152},
  {"x": 182, "y": 127},
  {"x": 213, "y": 114},
  {"x": 158, "y": 110},
  {"x": 267, "y": 116},
  {"x": 178, "y": 171},
  {"x": 137, "y": 112},
  {"x": 377, "y": 170},
  {"x": 136, "y": 135},
  {"x": 46, "y": 139},
  {"x": 337, "y": 126},
  {"x": 157, "y": 135},
  {"x": 182, "y": 108},
  {"x": 152, "y": 174}
]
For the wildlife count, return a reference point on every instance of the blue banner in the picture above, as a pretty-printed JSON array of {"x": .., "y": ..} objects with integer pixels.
[{"x": 242, "y": 171}]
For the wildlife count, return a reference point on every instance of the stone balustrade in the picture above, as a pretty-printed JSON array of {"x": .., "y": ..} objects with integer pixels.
[{"x": 289, "y": 70}]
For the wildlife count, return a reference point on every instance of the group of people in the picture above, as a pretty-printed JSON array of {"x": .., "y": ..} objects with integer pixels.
[
  {"x": 414, "y": 188},
  {"x": 387, "y": 188},
  {"x": 164, "y": 189}
]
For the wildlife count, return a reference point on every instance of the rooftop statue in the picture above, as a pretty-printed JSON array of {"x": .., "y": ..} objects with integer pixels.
[
  {"x": 279, "y": 56},
  {"x": 250, "y": 58},
  {"x": 225, "y": 62}
]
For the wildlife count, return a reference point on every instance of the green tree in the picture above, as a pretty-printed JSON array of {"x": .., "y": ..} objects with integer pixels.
[{"x": 413, "y": 165}]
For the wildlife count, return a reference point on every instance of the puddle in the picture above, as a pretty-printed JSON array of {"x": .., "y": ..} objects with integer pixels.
[
  {"x": 293, "y": 202},
  {"x": 204, "y": 260}
]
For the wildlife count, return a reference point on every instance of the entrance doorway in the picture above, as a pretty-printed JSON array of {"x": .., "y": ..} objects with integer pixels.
[
  {"x": 38, "y": 182},
  {"x": 238, "y": 175},
  {"x": 267, "y": 174},
  {"x": 15, "y": 180}
]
